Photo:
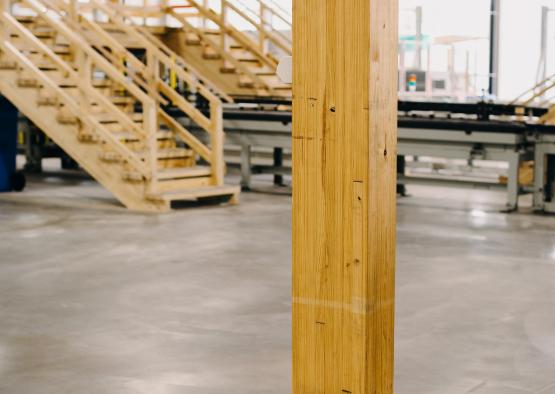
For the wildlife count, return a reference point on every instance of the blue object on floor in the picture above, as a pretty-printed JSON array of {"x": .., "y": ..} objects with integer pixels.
[{"x": 8, "y": 146}]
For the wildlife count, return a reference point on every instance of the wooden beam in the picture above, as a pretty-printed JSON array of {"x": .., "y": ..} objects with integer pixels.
[{"x": 344, "y": 214}]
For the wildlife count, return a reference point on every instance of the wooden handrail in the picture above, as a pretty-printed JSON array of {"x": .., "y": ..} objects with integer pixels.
[
  {"x": 72, "y": 74},
  {"x": 545, "y": 86},
  {"x": 157, "y": 55},
  {"x": 263, "y": 7},
  {"x": 105, "y": 38},
  {"x": 83, "y": 46},
  {"x": 90, "y": 57},
  {"x": 74, "y": 107},
  {"x": 121, "y": 15},
  {"x": 220, "y": 50},
  {"x": 161, "y": 55},
  {"x": 232, "y": 31},
  {"x": 278, "y": 10},
  {"x": 260, "y": 28}
]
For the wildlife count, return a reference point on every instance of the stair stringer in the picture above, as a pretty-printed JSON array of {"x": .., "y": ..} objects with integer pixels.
[{"x": 109, "y": 174}]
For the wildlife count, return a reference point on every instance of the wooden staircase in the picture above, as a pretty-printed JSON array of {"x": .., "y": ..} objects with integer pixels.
[
  {"x": 240, "y": 63},
  {"x": 106, "y": 110}
]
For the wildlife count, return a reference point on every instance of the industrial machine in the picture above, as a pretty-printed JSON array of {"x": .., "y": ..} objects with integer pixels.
[{"x": 258, "y": 140}]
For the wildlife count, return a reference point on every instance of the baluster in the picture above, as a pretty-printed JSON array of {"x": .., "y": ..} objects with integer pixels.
[
  {"x": 5, "y": 9},
  {"x": 150, "y": 117},
  {"x": 6, "y": 6},
  {"x": 163, "y": 8},
  {"x": 204, "y": 19},
  {"x": 85, "y": 76},
  {"x": 74, "y": 10},
  {"x": 262, "y": 31},
  {"x": 217, "y": 142},
  {"x": 224, "y": 39}
]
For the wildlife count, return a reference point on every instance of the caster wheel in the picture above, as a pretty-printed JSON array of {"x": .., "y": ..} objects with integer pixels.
[{"x": 18, "y": 181}]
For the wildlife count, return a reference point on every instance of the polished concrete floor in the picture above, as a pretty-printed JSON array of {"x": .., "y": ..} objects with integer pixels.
[{"x": 97, "y": 300}]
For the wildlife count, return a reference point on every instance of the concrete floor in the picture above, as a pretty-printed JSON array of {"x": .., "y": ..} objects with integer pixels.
[{"x": 97, "y": 300}]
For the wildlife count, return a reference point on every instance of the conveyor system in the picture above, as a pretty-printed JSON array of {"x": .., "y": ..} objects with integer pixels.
[{"x": 479, "y": 131}]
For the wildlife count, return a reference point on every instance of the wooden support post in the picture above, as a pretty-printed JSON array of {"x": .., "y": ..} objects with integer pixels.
[
  {"x": 205, "y": 4},
  {"x": 344, "y": 183},
  {"x": 74, "y": 10},
  {"x": 217, "y": 142},
  {"x": 150, "y": 121},
  {"x": 224, "y": 38},
  {"x": 6, "y": 6},
  {"x": 265, "y": 23},
  {"x": 85, "y": 73}
]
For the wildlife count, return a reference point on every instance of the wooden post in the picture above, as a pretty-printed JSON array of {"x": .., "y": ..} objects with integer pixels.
[
  {"x": 344, "y": 192},
  {"x": 217, "y": 142},
  {"x": 224, "y": 38},
  {"x": 74, "y": 10},
  {"x": 150, "y": 120},
  {"x": 265, "y": 23}
]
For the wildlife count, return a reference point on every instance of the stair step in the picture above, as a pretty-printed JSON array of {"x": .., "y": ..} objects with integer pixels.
[
  {"x": 180, "y": 173},
  {"x": 192, "y": 39},
  {"x": 110, "y": 157},
  {"x": 172, "y": 153},
  {"x": 26, "y": 82},
  {"x": 7, "y": 65},
  {"x": 197, "y": 193},
  {"x": 47, "y": 100},
  {"x": 210, "y": 54},
  {"x": 44, "y": 33},
  {"x": 212, "y": 32},
  {"x": 24, "y": 19},
  {"x": 122, "y": 100},
  {"x": 105, "y": 118},
  {"x": 228, "y": 69},
  {"x": 266, "y": 73},
  {"x": 58, "y": 49},
  {"x": 246, "y": 82},
  {"x": 51, "y": 99},
  {"x": 128, "y": 136},
  {"x": 163, "y": 154},
  {"x": 173, "y": 174},
  {"x": 248, "y": 60},
  {"x": 66, "y": 83}
]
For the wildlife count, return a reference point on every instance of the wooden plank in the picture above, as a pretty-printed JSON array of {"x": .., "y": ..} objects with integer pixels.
[{"x": 344, "y": 176}]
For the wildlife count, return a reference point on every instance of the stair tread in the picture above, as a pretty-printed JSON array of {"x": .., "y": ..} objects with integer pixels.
[
  {"x": 186, "y": 172},
  {"x": 104, "y": 117},
  {"x": 129, "y": 136},
  {"x": 196, "y": 193},
  {"x": 171, "y": 153}
]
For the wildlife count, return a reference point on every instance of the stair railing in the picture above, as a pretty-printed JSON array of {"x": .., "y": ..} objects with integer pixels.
[
  {"x": 81, "y": 107},
  {"x": 218, "y": 47},
  {"x": 158, "y": 59},
  {"x": 537, "y": 91},
  {"x": 265, "y": 17},
  {"x": 229, "y": 30},
  {"x": 278, "y": 10}
]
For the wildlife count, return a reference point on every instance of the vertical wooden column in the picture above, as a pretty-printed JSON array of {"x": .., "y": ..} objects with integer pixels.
[{"x": 344, "y": 192}]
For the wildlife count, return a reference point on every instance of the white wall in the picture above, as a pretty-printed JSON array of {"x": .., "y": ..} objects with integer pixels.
[{"x": 520, "y": 45}]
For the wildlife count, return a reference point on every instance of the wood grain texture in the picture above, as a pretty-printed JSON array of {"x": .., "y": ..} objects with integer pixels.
[{"x": 344, "y": 214}]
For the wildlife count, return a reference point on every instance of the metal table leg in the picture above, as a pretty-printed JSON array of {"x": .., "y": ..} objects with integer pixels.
[
  {"x": 513, "y": 187},
  {"x": 246, "y": 169}
]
